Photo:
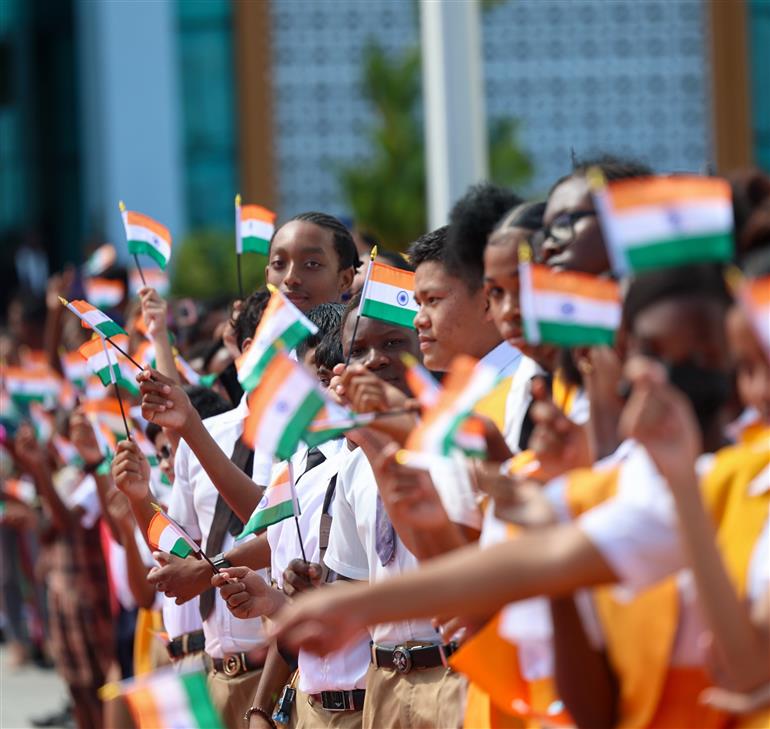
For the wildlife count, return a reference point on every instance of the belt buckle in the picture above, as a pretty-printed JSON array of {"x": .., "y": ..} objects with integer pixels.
[
  {"x": 402, "y": 659},
  {"x": 232, "y": 665}
]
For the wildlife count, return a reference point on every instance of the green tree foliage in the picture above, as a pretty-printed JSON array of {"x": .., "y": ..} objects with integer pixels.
[
  {"x": 204, "y": 267},
  {"x": 386, "y": 192}
]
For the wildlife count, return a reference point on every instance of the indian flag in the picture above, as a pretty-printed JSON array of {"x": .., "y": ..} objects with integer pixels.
[
  {"x": 145, "y": 354},
  {"x": 184, "y": 368},
  {"x": 105, "y": 412},
  {"x": 421, "y": 382},
  {"x": 281, "y": 408},
  {"x": 146, "y": 236},
  {"x": 567, "y": 309},
  {"x": 333, "y": 421},
  {"x": 254, "y": 227},
  {"x": 755, "y": 298},
  {"x": 99, "y": 361},
  {"x": 657, "y": 222},
  {"x": 154, "y": 278},
  {"x": 74, "y": 368},
  {"x": 40, "y": 384},
  {"x": 468, "y": 382},
  {"x": 104, "y": 292},
  {"x": 279, "y": 502},
  {"x": 165, "y": 534},
  {"x": 94, "y": 319},
  {"x": 101, "y": 259},
  {"x": 388, "y": 295},
  {"x": 282, "y": 327},
  {"x": 168, "y": 699},
  {"x": 21, "y": 490},
  {"x": 43, "y": 421}
]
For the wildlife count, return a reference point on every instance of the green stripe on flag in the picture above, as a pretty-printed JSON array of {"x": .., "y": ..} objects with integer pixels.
[
  {"x": 252, "y": 244},
  {"x": 181, "y": 548},
  {"x": 402, "y": 317},
  {"x": 142, "y": 247},
  {"x": 574, "y": 335},
  {"x": 110, "y": 329},
  {"x": 132, "y": 387},
  {"x": 267, "y": 517},
  {"x": 206, "y": 716},
  {"x": 295, "y": 428},
  {"x": 291, "y": 337},
  {"x": 104, "y": 374},
  {"x": 681, "y": 251}
]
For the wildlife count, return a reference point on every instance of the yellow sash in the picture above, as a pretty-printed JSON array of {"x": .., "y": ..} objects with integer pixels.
[
  {"x": 149, "y": 624},
  {"x": 493, "y": 404}
]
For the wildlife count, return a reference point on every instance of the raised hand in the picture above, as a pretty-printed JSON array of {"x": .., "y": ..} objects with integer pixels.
[
  {"x": 661, "y": 418},
  {"x": 163, "y": 401},
  {"x": 119, "y": 509},
  {"x": 408, "y": 493},
  {"x": 247, "y": 595},
  {"x": 131, "y": 471},
  {"x": 559, "y": 444},
  {"x": 83, "y": 437},
  {"x": 154, "y": 311},
  {"x": 27, "y": 451},
  {"x": 301, "y": 576}
]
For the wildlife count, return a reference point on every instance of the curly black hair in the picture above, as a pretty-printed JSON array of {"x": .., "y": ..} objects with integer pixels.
[{"x": 473, "y": 217}]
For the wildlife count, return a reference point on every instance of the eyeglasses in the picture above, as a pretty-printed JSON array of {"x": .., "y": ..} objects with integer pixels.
[{"x": 562, "y": 229}]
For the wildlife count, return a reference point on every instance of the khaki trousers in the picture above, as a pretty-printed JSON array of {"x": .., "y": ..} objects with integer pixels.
[
  {"x": 232, "y": 696},
  {"x": 433, "y": 698},
  {"x": 310, "y": 714}
]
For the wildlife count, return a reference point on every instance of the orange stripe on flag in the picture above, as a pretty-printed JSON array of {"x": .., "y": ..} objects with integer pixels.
[
  {"x": 83, "y": 306},
  {"x": 655, "y": 191},
  {"x": 758, "y": 292},
  {"x": 272, "y": 379},
  {"x": 157, "y": 524},
  {"x": 147, "y": 222},
  {"x": 382, "y": 273},
  {"x": 144, "y": 708},
  {"x": 109, "y": 405},
  {"x": 569, "y": 282},
  {"x": 257, "y": 212}
]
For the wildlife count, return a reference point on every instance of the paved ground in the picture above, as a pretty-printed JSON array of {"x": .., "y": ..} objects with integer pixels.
[{"x": 27, "y": 692}]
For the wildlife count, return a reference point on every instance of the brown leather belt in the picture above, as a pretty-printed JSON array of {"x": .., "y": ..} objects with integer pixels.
[
  {"x": 405, "y": 659},
  {"x": 184, "y": 645},
  {"x": 233, "y": 664},
  {"x": 341, "y": 700}
]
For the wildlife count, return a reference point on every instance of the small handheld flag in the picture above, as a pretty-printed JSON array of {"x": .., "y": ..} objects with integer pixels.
[
  {"x": 164, "y": 534},
  {"x": 93, "y": 318},
  {"x": 281, "y": 407},
  {"x": 664, "y": 221},
  {"x": 147, "y": 237},
  {"x": 282, "y": 327},
  {"x": 388, "y": 295},
  {"x": 567, "y": 309},
  {"x": 104, "y": 292},
  {"x": 100, "y": 260},
  {"x": 167, "y": 699},
  {"x": 254, "y": 228}
]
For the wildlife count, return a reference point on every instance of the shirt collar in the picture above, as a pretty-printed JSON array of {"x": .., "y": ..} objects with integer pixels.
[{"x": 504, "y": 358}]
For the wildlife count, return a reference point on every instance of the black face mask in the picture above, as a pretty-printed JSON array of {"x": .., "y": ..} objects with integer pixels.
[{"x": 707, "y": 389}]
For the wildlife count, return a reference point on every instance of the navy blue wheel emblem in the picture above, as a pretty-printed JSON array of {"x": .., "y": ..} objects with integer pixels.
[{"x": 402, "y": 298}]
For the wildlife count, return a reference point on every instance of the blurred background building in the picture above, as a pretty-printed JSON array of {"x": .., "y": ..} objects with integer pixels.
[{"x": 175, "y": 105}]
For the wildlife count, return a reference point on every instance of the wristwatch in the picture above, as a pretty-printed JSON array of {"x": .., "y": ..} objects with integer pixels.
[{"x": 221, "y": 562}]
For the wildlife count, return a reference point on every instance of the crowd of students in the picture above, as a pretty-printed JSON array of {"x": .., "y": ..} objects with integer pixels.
[{"x": 606, "y": 564}]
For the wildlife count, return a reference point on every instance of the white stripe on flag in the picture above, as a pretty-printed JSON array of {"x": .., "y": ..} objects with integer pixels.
[
  {"x": 254, "y": 228},
  {"x": 578, "y": 310},
  {"x": 393, "y": 295},
  {"x": 139, "y": 232}
]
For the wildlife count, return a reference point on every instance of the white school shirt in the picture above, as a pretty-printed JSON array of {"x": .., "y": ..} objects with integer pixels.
[
  {"x": 352, "y": 551},
  {"x": 177, "y": 619},
  {"x": 342, "y": 670},
  {"x": 193, "y": 501}
]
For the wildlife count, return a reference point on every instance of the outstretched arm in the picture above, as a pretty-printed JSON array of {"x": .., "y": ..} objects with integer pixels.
[
  {"x": 167, "y": 405},
  {"x": 469, "y": 581}
]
